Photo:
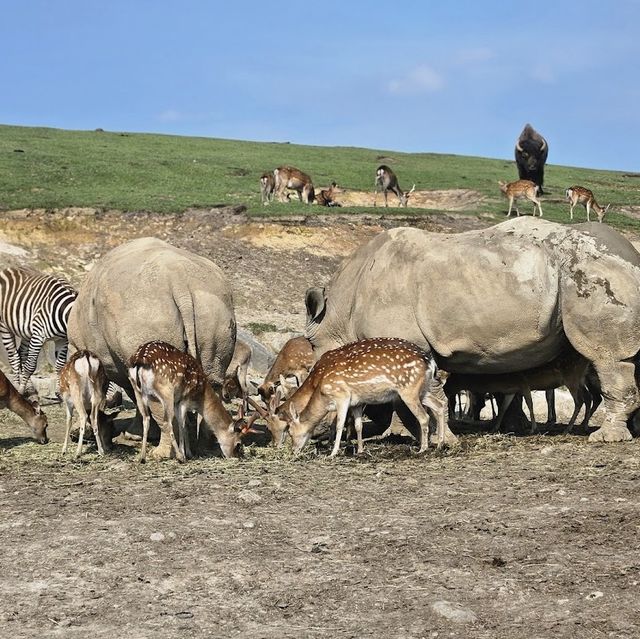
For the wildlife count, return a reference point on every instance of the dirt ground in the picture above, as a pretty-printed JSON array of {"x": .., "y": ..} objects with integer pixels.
[{"x": 503, "y": 537}]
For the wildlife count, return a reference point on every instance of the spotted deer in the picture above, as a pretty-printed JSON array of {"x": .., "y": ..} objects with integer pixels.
[
  {"x": 159, "y": 371},
  {"x": 288, "y": 177},
  {"x": 580, "y": 195},
  {"x": 295, "y": 359},
  {"x": 521, "y": 189},
  {"x": 267, "y": 187},
  {"x": 371, "y": 371},
  {"x": 31, "y": 414},
  {"x": 386, "y": 181},
  {"x": 83, "y": 386}
]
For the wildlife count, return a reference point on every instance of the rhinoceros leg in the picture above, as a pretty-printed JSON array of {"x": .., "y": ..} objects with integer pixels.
[{"x": 621, "y": 398}]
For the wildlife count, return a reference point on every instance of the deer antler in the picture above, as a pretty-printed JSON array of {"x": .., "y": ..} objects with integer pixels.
[{"x": 262, "y": 411}]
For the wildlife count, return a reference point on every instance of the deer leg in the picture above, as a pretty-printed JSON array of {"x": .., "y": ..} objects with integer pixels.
[
  {"x": 529, "y": 402},
  {"x": 341, "y": 416},
  {"x": 385, "y": 197},
  {"x": 169, "y": 419},
  {"x": 578, "y": 403},
  {"x": 550, "y": 396},
  {"x": 83, "y": 422},
  {"x": 415, "y": 406},
  {"x": 69, "y": 410},
  {"x": 571, "y": 211},
  {"x": 506, "y": 402},
  {"x": 510, "y": 206},
  {"x": 588, "y": 207},
  {"x": 357, "y": 422},
  {"x": 95, "y": 406}
]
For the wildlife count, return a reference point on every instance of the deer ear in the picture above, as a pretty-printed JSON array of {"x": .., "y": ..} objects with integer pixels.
[{"x": 293, "y": 411}]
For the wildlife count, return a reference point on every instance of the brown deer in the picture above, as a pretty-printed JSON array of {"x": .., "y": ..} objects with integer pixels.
[
  {"x": 580, "y": 195},
  {"x": 371, "y": 371},
  {"x": 83, "y": 386},
  {"x": 31, "y": 414},
  {"x": 521, "y": 189},
  {"x": 267, "y": 187},
  {"x": 159, "y": 371},
  {"x": 294, "y": 359},
  {"x": 568, "y": 370},
  {"x": 386, "y": 180},
  {"x": 326, "y": 196},
  {"x": 235, "y": 379},
  {"x": 288, "y": 177}
]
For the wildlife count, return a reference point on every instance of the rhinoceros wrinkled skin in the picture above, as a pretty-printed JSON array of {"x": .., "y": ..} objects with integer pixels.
[
  {"x": 148, "y": 290},
  {"x": 506, "y": 298}
]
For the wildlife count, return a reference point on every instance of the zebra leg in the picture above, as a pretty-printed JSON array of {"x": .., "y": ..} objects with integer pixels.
[
  {"x": 29, "y": 368},
  {"x": 9, "y": 343}
]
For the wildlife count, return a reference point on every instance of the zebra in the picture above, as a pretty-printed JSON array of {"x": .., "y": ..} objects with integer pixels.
[{"x": 34, "y": 308}]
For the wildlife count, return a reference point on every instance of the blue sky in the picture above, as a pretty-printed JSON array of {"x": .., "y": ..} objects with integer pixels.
[{"x": 452, "y": 77}]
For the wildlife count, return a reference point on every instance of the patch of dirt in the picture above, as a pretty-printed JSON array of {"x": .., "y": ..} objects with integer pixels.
[
  {"x": 439, "y": 200},
  {"x": 500, "y": 536}
]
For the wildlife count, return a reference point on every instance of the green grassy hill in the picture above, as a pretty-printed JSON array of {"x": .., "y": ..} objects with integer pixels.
[{"x": 51, "y": 168}]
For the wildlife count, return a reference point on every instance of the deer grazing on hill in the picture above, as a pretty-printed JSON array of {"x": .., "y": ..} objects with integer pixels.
[
  {"x": 288, "y": 177},
  {"x": 294, "y": 359},
  {"x": 31, "y": 414},
  {"x": 83, "y": 386},
  {"x": 580, "y": 195},
  {"x": 325, "y": 197},
  {"x": 521, "y": 189},
  {"x": 371, "y": 371},
  {"x": 159, "y": 371},
  {"x": 267, "y": 187},
  {"x": 386, "y": 180},
  {"x": 569, "y": 370}
]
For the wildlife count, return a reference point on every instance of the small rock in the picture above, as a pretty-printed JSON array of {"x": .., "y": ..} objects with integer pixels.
[
  {"x": 156, "y": 536},
  {"x": 254, "y": 483},
  {"x": 546, "y": 450},
  {"x": 454, "y": 612},
  {"x": 248, "y": 524},
  {"x": 249, "y": 497},
  {"x": 596, "y": 594}
]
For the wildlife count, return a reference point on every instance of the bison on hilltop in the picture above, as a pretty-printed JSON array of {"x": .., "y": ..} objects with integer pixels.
[{"x": 531, "y": 154}]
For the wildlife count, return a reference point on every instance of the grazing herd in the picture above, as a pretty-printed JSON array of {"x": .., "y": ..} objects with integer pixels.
[
  {"x": 531, "y": 152},
  {"x": 504, "y": 310}
]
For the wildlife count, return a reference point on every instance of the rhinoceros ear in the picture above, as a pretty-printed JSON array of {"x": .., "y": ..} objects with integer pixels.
[{"x": 315, "y": 302}]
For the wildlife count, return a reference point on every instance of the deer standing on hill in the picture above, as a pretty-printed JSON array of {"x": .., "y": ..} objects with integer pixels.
[
  {"x": 371, "y": 371},
  {"x": 83, "y": 386},
  {"x": 580, "y": 195},
  {"x": 30, "y": 414},
  {"x": 159, "y": 371},
  {"x": 521, "y": 189},
  {"x": 386, "y": 180},
  {"x": 288, "y": 177},
  {"x": 267, "y": 187}
]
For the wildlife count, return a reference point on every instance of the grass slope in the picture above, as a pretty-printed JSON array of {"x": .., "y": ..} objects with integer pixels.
[{"x": 51, "y": 168}]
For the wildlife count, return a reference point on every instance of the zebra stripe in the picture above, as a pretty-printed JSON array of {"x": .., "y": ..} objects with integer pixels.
[{"x": 34, "y": 308}]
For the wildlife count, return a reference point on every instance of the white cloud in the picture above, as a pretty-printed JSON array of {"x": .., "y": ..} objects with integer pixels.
[
  {"x": 170, "y": 115},
  {"x": 421, "y": 79}
]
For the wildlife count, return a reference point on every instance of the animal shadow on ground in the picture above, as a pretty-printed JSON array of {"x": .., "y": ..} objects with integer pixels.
[{"x": 12, "y": 442}]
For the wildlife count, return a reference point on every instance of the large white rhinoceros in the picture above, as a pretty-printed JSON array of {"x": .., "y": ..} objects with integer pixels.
[
  {"x": 148, "y": 290},
  {"x": 502, "y": 299}
]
